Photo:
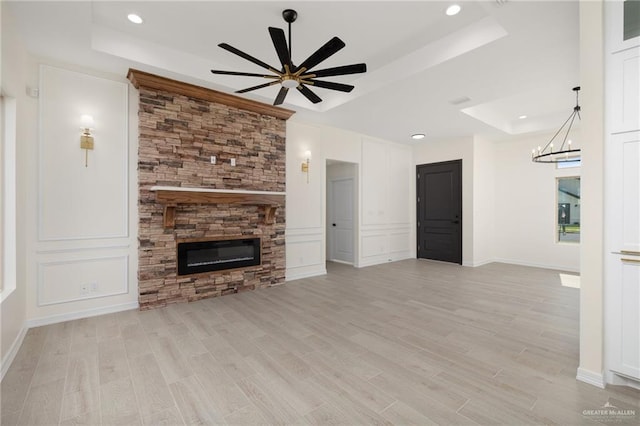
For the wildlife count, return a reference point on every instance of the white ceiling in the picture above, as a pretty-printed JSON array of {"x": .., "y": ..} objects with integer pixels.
[{"x": 510, "y": 58}]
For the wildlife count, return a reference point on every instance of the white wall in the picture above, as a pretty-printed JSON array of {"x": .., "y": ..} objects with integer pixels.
[
  {"x": 454, "y": 149},
  {"x": 83, "y": 248},
  {"x": 304, "y": 235},
  {"x": 592, "y": 232},
  {"x": 526, "y": 208},
  {"x": 387, "y": 208},
  {"x": 484, "y": 201},
  {"x": 385, "y": 195},
  {"x": 15, "y": 77}
]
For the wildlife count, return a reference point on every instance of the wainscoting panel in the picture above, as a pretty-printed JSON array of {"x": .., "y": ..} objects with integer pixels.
[
  {"x": 77, "y": 201},
  {"x": 401, "y": 180},
  {"x": 375, "y": 183},
  {"x": 374, "y": 245},
  {"x": 65, "y": 281},
  {"x": 305, "y": 253},
  {"x": 399, "y": 242},
  {"x": 384, "y": 244}
]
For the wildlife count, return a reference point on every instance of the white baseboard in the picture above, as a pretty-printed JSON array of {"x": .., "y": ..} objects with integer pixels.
[
  {"x": 536, "y": 265},
  {"x": 342, "y": 262},
  {"x": 381, "y": 260},
  {"x": 595, "y": 379},
  {"x": 292, "y": 275},
  {"x": 54, "y": 319},
  {"x": 478, "y": 263},
  {"x": 13, "y": 351},
  {"x": 621, "y": 380}
]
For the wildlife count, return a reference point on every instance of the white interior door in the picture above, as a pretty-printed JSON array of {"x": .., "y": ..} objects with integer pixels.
[{"x": 341, "y": 220}]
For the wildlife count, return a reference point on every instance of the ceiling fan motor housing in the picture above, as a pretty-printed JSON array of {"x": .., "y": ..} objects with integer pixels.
[{"x": 289, "y": 15}]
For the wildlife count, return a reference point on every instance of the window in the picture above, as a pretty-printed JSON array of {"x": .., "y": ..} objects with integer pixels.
[
  {"x": 568, "y": 197},
  {"x": 8, "y": 196},
  {"x": 631, "y": 23},
  {"x": 569, "y": 164}
]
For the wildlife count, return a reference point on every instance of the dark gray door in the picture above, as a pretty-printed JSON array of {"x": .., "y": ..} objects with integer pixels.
[{"x": 439, "y": 192}]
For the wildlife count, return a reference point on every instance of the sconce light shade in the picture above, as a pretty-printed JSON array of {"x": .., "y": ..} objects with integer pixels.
[{"x": 86, "y": 121}]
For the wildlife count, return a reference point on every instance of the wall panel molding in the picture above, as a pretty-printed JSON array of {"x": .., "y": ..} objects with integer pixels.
[
  {"x": 100, "y": 280},
  {"x": 77, "y": 203}
]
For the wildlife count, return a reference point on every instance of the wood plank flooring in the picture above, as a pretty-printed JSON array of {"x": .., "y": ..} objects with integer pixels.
[{"x": 410, "y": 342}]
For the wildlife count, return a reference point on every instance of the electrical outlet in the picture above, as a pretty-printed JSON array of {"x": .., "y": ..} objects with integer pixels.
[
  {"x": 213, "y": 159},
  {"x": 88, "y": 288},
  {"x": 233, "y": 162}
]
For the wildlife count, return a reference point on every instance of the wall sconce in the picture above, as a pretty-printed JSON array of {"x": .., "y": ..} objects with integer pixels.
[
  {"x": 86, "y": 140},
  {"x": 305, "y": 164}
]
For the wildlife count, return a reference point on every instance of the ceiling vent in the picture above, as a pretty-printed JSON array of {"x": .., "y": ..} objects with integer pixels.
[{"x": 460, "y": 100}]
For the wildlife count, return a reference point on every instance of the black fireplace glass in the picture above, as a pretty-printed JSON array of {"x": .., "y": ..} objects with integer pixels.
[{"x": 205, "y": 256}]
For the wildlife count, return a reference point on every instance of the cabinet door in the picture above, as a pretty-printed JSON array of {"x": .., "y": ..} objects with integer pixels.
[
  {"x": 623, "y": 247},
  {"x": 624, "y": 95}
]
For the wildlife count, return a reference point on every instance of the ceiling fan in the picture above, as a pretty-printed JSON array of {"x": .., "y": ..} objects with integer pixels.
[{"x": 290, "y": 75}]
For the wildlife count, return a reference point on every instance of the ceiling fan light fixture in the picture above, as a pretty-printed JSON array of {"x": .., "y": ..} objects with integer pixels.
[{"x": 289, "y": 83}]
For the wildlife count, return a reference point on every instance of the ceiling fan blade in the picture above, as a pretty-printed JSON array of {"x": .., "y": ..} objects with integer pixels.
[
  {"x": 246, "y": 56},
  {"x": 343, "y": 70},
  {"x": 260, "y": 86},
  {"x": 331, "y": 85},
  {"x": 309, "y": 94},
  {"x": 246, "y": 74},
  {"x": 281, "y": 95},
  {"x": 328, "y": 49},
  {"x": 280, "y": 43}
]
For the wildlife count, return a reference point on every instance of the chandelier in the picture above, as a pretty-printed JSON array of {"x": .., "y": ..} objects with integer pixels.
[{"x": 564, "y": 153}]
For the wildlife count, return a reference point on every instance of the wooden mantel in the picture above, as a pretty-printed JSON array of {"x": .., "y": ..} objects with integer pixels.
[
  {"x": 152, "y": 81},
  {"x": 171, "y": 196}
]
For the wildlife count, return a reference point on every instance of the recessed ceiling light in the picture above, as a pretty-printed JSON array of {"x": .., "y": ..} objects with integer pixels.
[
  {"x": 134, "y": 18},
  {"x": 454, "y": 9},
  {"x": 417, "y": 136},
  {"x": 522, "y": 117}
]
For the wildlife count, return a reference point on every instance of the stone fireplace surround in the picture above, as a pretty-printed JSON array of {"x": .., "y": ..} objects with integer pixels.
[{"x": 180, "y": 127}]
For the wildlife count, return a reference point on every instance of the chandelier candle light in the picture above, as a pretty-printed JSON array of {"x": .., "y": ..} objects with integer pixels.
[{"x": 565, "y": 153}]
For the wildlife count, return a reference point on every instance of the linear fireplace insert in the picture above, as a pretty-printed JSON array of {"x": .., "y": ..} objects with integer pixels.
[{"x": 205, "y": 256}]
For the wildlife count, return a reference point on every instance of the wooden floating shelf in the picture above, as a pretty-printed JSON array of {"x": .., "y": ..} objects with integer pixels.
[{"x": 171, "y": 196}]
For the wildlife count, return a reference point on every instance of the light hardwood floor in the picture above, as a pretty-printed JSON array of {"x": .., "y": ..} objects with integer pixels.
[{"x": 410, "y": 342}]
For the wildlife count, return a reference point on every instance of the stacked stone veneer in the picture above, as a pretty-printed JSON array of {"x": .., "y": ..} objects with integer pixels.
[{"x": 177, "y": 137}]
